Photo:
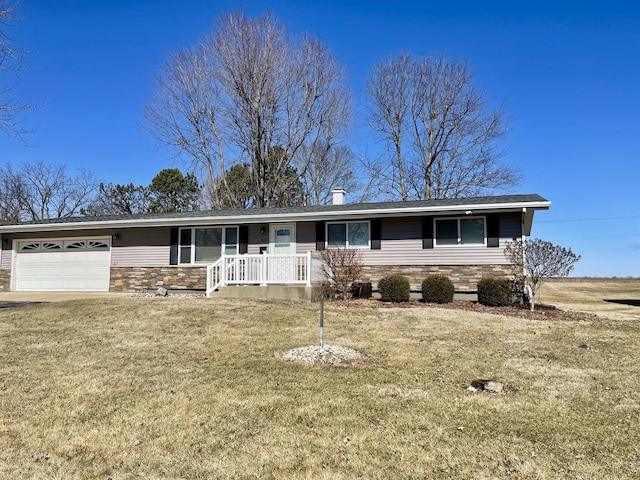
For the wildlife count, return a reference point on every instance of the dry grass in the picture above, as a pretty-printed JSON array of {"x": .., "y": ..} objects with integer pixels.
[
  {"x": 190, "y": 388},
  {"x": 615, "y": 298}
]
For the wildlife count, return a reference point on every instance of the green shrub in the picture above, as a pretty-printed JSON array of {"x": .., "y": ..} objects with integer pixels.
[
  {"x": 494, "y": 292},
  {"x": 437, "y": 289},
  {"x": 394, "y": 288}
]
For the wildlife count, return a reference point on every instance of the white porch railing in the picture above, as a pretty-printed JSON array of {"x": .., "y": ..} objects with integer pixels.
[{"x": 263, "y": 269}]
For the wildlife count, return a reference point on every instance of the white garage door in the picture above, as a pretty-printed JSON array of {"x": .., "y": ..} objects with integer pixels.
[{"x": 70, "y": 264}]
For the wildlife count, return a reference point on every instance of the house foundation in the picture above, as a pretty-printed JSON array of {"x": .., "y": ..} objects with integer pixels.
[
  {"x": 465, "y": 278},
  {"x": 129, "y": 279},
  {"x": 5, "y": 279}
]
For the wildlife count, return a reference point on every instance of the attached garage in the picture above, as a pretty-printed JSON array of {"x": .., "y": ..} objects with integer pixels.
[{"x": 64, "y": 264}]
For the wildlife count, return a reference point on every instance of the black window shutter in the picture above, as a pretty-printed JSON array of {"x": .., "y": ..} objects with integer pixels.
[
  {"x": 173, "y": 243},
  {"x": 427, "y": 232},
  {"x": 319, "y": 235},
  {"x": 243, "y": 239},
  {"x": 493, "y": 230},
  {"x": 376, "y": 234}
]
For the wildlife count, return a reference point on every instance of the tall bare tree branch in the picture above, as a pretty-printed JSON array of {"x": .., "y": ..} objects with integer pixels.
[
  {"x": 443, "y": 140},
  {"x": 327, "y": 168},
  {"x": 245, "y": 90},
  {"x": 38, "y": 191},
  {"x": 389, "y": 94},
  {"x": 10, "y": 65}
]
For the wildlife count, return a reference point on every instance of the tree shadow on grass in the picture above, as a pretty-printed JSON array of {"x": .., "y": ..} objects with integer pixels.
[
  {"x": 16, "y": 304},
  {"x": 633, "y": 303}
]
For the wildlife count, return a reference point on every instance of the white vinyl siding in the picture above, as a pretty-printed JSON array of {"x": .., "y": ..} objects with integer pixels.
[
  {"x": 305, "y": 237},
  {"x": 5, "y": 258},
  {"x": 136, "y": 247},
  {"x": 258, "y": 237},
  {"x": 141, "y": 247},
  {"x": 401, "y": 244}
]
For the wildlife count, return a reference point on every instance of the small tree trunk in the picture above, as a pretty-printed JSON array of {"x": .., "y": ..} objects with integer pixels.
[{"x": 530, "y": 294}]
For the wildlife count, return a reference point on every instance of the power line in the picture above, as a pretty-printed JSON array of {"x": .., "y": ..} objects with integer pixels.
[
  {"x": 586, "y": 239},
  {"x": 588, "y": 219}
]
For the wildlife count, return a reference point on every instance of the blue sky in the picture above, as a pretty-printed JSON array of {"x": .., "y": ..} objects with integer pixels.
[{"x": 567, "y": 72}]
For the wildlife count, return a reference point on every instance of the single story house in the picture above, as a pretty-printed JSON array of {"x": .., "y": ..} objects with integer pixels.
[{"x": 208, "y": 250}]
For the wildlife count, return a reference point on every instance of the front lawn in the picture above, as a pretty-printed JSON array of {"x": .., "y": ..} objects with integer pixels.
[{"x": 191, "y": 388}]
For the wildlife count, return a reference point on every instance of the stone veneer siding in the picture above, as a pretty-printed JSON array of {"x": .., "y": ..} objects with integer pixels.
[
  {"x": 129, "y": 279},
  {"x": 465, "y": 278},
  {"x": 5, "y": 279}
]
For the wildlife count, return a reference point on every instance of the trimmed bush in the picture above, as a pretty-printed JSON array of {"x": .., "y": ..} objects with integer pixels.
[
  {"x": 394, "y": 288},
  {"x": 437, "y": 289},
  {"x": 494, "y": 292}
]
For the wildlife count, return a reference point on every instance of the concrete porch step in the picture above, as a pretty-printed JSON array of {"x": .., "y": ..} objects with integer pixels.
[{"x": 269, "y": 292}]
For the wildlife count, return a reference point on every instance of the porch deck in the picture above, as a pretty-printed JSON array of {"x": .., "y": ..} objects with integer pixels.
[{"x": 263, "y": 270}]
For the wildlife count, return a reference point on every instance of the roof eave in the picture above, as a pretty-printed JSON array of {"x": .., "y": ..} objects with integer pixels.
[{"x": 274, "y": 218}]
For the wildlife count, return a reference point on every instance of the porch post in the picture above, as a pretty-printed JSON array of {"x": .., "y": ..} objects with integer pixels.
[
  {"x": 223, "y": 270},
  {"x": 308, "y": 269},
  {"x": 209, "y": 272},
  {"x": 263, "y": 269}
]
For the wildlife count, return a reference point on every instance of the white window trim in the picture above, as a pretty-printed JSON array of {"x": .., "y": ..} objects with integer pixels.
[
  {"x": 192, "y": 253},
  {"x": 460, "y": 245},
  {"x": 360, "y": 247}
]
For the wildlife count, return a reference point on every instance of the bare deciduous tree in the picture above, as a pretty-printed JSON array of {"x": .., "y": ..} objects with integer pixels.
[
  {"x": 38, "y": 191},
  {"x": 536, "y": 260},
  {"x": 116, "y": 199},
  {"x": 184, "y": 113},
  {"x": 326, "y": 168},
  {"x": 443, "y": 141},
  {"x": 10, "y": 193},
  {"x": 342, "y": 267},
  {"x": 389, "y": 92},
  {"x": 10, "y": 64},
  {"x": 245, "y": 90}
]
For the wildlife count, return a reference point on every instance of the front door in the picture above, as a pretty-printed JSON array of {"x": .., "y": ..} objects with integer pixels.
[{"x": 282, "y": 241}]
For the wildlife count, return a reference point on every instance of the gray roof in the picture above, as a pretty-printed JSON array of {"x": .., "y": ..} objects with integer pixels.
[{"x": 255, "y": 215}]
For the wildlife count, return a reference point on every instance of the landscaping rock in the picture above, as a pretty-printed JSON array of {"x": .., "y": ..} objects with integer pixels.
[
  {"x": 490, "y": 386},
  {"x": 162, "y": 292}
]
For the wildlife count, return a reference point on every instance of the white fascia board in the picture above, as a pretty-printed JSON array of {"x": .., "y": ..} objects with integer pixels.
[
  {"x": 527, "y": 216},
  {"x": 275, "y": 218}
]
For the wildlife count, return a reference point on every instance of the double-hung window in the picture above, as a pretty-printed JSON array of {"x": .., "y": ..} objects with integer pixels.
[
  {"x": 206, "y": 244},
  {"x": 460, "y": 231},
  {"x": 348, "y": 234}
]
